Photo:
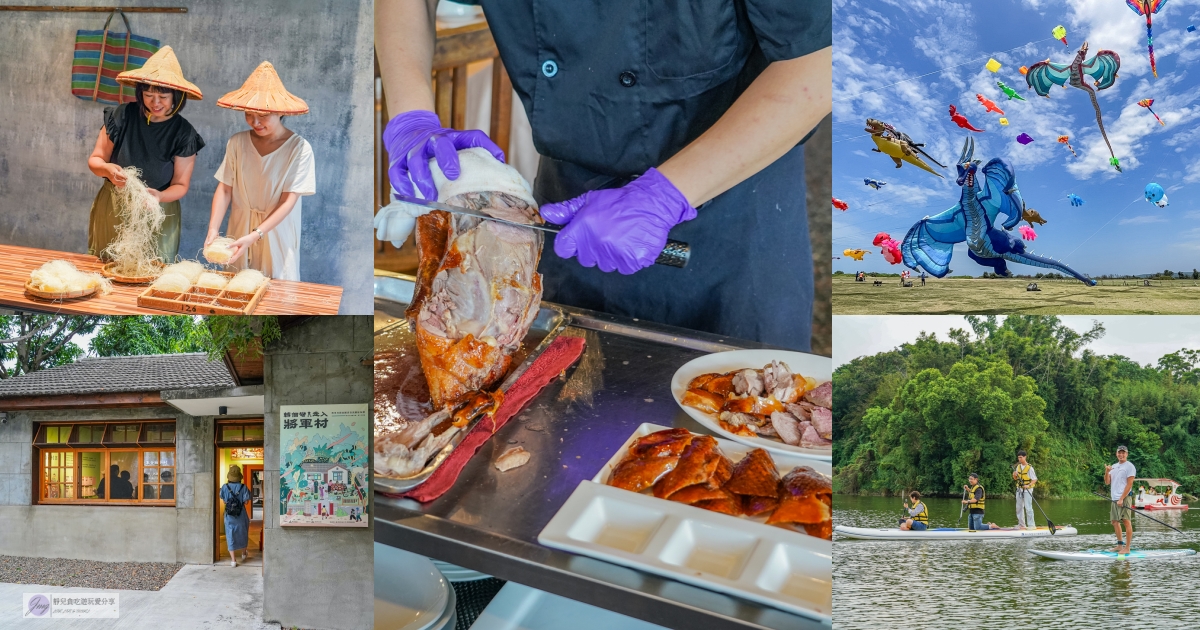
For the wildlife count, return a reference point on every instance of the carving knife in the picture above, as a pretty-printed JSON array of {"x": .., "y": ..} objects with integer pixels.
[{"x": 675, "y": 254}]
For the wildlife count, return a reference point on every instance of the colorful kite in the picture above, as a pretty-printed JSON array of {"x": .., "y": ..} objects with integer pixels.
[
  {"x": 1147, "y": 102},
  {"x": 992, "y": 65},
  {"x": 1075, "y": 199},
  {"x": 890, "y": 247},
  {"x": 1060, "y": 34},
  {"x": 840, "y": 205},
  {"x": 1067, "y": 141},
  {"x": 1023, "y": 69},
  {"x": 1147, "y": 8},
  {"x": 1027, "y": 233},
  {"x": 1032, "y": 216},
  {"x": 988, "y": 104},
  {"x": 898, "y": 146},
  {"x": 961, "y": 120},
  {"x": 1004, "y": 122},
  {"x": 1156, "y": 195},
  {"x": 856, "y": 254},
  {"x": 1102, "y": 67},
  {"x": 1024, "y": 138},
  {"x": 1009, "y": 92},
  {"x": 874, "y": 183}
]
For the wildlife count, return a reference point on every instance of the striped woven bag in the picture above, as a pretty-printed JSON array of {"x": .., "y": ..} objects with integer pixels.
[{"x": 94, "y": 80}]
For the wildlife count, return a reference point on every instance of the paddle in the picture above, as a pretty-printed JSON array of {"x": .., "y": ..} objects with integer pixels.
[
  {"x": 1135, "y": 511},
  {"x": 960, "y": 508}
]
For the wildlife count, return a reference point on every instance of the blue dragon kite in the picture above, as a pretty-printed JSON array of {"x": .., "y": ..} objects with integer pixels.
[
  {"x": 930, "y": 243},
  {"x": 1102, "y": 67}
]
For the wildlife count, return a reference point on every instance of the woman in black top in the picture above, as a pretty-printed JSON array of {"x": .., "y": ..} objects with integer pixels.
[{"x": 150, "y": 134}]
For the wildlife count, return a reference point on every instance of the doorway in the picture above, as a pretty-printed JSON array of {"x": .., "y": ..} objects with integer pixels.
[{"x": 240, "y": 443}]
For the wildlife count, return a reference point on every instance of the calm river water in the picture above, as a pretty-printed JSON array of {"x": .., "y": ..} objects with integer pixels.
[{"x": 998, "y": 584}]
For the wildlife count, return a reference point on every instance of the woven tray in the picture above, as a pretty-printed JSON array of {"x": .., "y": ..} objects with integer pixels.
[
  {"x": 107, "y": 272},
  {"x": 201, "y": 301},
  {"x": 46, "y": 295}
]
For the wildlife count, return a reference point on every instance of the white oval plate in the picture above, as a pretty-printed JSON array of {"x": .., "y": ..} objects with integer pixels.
[{"x": 811, "y": 365}]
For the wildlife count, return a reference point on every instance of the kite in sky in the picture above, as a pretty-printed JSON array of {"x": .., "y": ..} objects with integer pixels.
[
  {"x": 1031, "y": 216},
  {"x": 988, "y": 104},
  {"x": 1156, "y": 195},
  {"x": 1067, "y": 141},
  {"x": 1060, "y": 34},
  {"x": 874, "y": 183},
  {"x": 1147, "y": 102},
  {"x": 856, "y": 254},
  {"x": 1075, "y": 199},
  {"x": 1148, "y": 8},
  {"x": 1024, "y": 138},
  {"x": 1009, "y": 92},
  {"x": 1102, "y": 67},
  {"x": 1027, "y": 233},
  {"x": 1004, "y": 121},
  {"x": 961, "y": 120},
  {"x": 890, "y": 247},
  {"x": 898, "y": 146},
  {"x": 840, "y": 205}
]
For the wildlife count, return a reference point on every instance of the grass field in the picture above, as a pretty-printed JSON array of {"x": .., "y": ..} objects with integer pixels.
[{"x": 975, "y": 296}]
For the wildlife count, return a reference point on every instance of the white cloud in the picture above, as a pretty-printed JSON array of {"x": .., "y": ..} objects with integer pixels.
[{"x": 1142, "y": 219}]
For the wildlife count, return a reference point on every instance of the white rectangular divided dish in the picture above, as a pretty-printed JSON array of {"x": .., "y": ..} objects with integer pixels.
[{"x": 734, "y": 555}]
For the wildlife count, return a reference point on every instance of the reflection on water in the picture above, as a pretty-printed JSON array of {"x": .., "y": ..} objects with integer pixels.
[{"x": 999, "y": 584}]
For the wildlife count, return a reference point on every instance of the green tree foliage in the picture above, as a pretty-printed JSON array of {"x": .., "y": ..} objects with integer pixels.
[
  {"x": 30, "y": 342},
  {"x": 922, "y": 416},
  {"x": 151, "y": 334}
]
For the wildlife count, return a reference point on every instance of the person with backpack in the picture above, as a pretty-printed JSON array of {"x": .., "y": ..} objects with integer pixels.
[{"x": 237, "y": 520}]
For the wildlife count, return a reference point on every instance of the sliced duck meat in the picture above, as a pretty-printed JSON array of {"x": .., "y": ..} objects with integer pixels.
[
  {"x": 637, "y": 475},
  {"x": 748, "y": 383},
  {"x": 700, "y": 381},
  {"x": 703, "y": 400},
  {"x": 822, "y": 421},
  {"x": 697, "y": 493},
  {"x": 722, "y": 472},
  {"x": 512, "y": 458},
  {"x": 729, "y": 504},
  {"x": 669, "y": 443},
  {"x": 811, "y": 439},
  {"x": 787, "y": 427},
  {"x": 805, "y": 480},
  {"x": 821, "y": 395},
  {"x": 753, "y": 506},
  {"x": 756, "y": 405},
  {"x": 766, "y": 429},
  {"x": 721, "y": 385},
  {"x": 801, "y": 410},
  {"x": 755, "y": 475},
  {"x": 695, "y": 466},
  {"x": 739, "y": 423},
  {"x": 805, "y": 510}
]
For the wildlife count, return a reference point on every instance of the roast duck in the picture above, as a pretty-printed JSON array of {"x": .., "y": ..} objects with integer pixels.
[
  {"x": 679, "y": 466},
  {"x": 477, "y": 294}
]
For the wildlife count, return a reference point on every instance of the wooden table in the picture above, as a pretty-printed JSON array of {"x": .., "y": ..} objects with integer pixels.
[{"x": 282, "y": 297}]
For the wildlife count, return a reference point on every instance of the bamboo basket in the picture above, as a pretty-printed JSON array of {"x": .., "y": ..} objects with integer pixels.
[
  {"x": 107, "y": 272},
  {"x": 202, "y": 301},
  {"x": 46, "y": 295}
]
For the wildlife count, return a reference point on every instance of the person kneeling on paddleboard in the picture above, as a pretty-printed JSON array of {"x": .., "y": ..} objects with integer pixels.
[
  {"x": 918, "y": 520},
  {"x": 1119, "y": 478},
  {"x": 974, "y": 502}
]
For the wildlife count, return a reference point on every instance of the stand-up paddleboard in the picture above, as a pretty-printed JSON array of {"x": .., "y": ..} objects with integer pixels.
[
  {"x": 950, "y": 533},
  {"x": 1096, "y": 554}
]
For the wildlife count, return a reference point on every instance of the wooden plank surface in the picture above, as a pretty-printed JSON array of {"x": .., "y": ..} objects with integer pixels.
[{"x": 282, "y": 297}]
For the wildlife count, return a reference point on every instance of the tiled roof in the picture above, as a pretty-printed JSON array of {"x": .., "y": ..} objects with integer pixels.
[{"x": 147, "y": 373}]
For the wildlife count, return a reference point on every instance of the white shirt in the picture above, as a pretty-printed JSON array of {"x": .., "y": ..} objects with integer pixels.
[
  {"x": 1119, "y": 476},
  {"x": 258, "y": 183}
]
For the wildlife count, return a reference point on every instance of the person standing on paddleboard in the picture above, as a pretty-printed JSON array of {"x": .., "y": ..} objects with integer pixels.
[
  {"x": 1026, "y": 479},
  {"x": 918, "y": 514},
  {"x": 974, "y": 502},
  {"x": 1119, "y": 478}
]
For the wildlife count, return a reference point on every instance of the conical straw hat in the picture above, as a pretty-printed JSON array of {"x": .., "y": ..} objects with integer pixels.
[
  {"x": 161, "y": 69},
  {"x": 263, "y": 93}
]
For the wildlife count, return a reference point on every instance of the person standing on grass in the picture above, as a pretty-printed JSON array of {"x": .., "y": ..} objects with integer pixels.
[
  {"x": 1026, "y": 479},
  {"x": 975, "y": 502},
  {"x": 1119, "y": 478}
]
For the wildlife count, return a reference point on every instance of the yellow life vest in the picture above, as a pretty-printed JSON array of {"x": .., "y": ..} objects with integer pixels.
[
  {"x": 1023, "y": 479},
  {"x": 972, "y": 503},
  {"x": 923, "y": 515}
]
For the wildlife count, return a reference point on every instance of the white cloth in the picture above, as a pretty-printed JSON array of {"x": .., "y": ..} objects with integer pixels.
[
  {"x": 1119, "y": 476},
  {"x": 259, "y": 183},
  {"x": 1025, "y": 508}
]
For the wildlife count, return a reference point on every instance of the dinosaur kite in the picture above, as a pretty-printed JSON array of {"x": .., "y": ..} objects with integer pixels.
[
  {"x": 1148, "y": 8},
  {"x": 987, "y": 193},
  {"x": 856, "y": 254},
  {"x": 1075, "y": 200},
  {"x": 890, "y": 248},
  {"x": 899, "y": 146},
  {"x": 840, "y": 205},
  {"x": 1067, "y": 141},
  {"x": 1103, "y": 68},
  {"x": 961, "y": 120},
  {"x": 1147, "y": 102},
  {"x": 1009, "y": 92},
  {"x": 1031, "y": 216},
  {"x": 874, "y": 183},
  {"x": 988, "y": 104}
]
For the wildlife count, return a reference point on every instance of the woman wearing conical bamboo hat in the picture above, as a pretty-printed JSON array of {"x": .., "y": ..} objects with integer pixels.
[
  {"x": 150, "y": 134},
  {"x": 265, "y": 172}
]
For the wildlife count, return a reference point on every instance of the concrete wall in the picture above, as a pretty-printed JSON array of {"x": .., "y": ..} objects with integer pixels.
[
  {"x": 115, "y": 533},
  {"x": 317, "y": 577},
  {"x": 323, "y": 52}
]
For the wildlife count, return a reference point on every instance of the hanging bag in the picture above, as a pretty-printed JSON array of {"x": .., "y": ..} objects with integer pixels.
[{"x": 101, "y": 55}]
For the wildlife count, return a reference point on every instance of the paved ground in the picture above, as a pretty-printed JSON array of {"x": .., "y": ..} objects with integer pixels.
[{"x": 198, "y": 597}]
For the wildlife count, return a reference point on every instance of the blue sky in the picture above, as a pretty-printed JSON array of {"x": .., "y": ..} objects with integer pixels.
[{"x": 883, "y": 47}]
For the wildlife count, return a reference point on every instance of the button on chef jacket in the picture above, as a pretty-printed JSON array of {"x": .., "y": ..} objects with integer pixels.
[{"x": 615, "y": 87}]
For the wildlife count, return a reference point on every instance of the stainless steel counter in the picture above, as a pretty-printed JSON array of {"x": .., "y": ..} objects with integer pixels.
[{"x": 489, "y": 521}]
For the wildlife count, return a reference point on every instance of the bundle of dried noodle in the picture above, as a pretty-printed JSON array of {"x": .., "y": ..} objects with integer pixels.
[
  {"x": 246, "y": 281},
  {"x": 135, "y": 249},
  {"x": 189, "y": 269},
  {"x": 210, "y": 280},
  {"x": 172, "y": 282},
  {"x": 60, "y": 276},
  {"x": 218, "y": 251}
]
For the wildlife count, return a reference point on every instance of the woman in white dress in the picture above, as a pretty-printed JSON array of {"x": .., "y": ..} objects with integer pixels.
[{"x": 265, "y": 172}]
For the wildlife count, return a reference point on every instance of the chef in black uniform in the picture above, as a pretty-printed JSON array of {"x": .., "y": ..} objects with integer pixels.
[{"x": 651, "y": 117}]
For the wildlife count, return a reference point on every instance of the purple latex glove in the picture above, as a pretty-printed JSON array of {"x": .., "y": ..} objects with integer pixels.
[
  {"x": 412, "y": 138},
  {"x": 622, "y": 229}
]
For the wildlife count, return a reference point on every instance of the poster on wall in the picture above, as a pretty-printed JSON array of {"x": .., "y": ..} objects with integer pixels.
[{"x": 323, "y": 466}]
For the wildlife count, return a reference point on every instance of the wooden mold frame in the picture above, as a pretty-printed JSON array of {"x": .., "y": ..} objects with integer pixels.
[{"x": 202, "y": 301}]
